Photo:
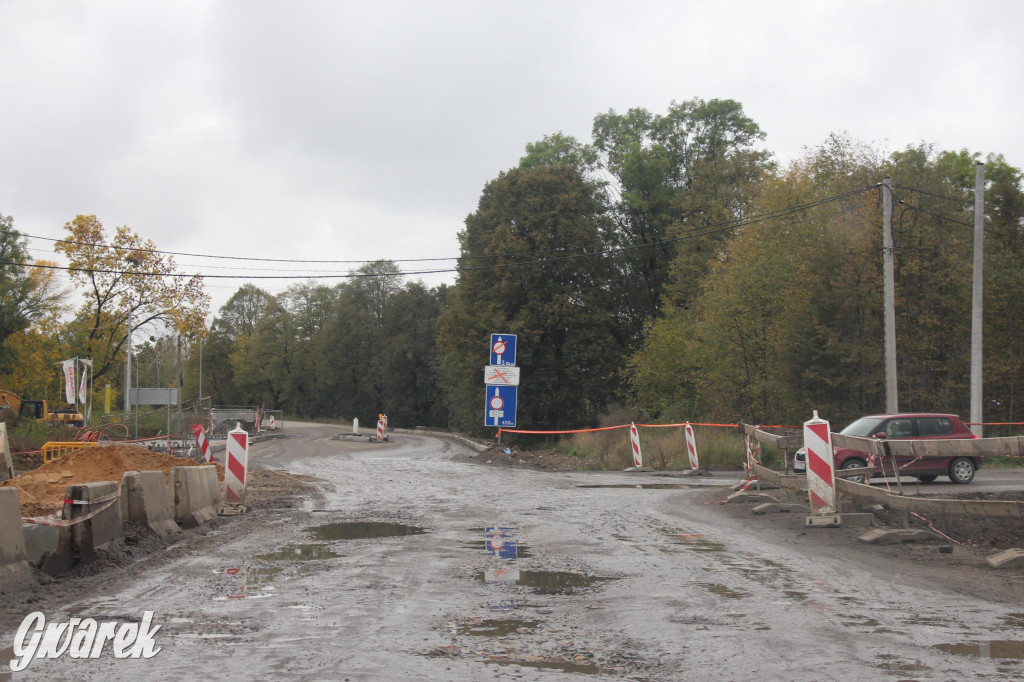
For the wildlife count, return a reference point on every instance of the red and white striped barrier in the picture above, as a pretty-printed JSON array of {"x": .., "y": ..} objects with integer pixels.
[
  {"x": 235, "y": 465},
  {"x": 204, "y": 445},
  {"x": 691, "y": 446},
  {"x": 380, "y": 430},
  {"x": 748, "y": 462},
  {"x": 821, "y": 480},
  {"x": 634, "y": 439}
]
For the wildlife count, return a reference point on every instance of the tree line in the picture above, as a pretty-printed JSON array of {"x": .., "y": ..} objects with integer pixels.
[{"x": 668, "y": 265}]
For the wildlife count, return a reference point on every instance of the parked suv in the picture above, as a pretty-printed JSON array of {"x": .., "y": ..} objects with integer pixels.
[{"x": 922, "y": 426}]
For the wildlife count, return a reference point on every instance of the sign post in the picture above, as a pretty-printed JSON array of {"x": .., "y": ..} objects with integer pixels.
[{"x": 501, "y": 383}]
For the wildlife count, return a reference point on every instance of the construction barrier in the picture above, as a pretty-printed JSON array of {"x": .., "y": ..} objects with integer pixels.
[
  {"x": 93, "y": 510},
  {"x": 196, "y": 494},
  {"x": 235, "y": 465},
  {"x": 204, "y": 445},
  {"x": 380, "y": 431},
  {"x": 691, "y": 447},
  {"x": 821, "y": 486},
  {"x": 145, "y": 500},
  {"x": 14, "y": 569},
  {"x": 52, "y": 451},
  {"x": 6, "y": 465},
  {"x": 634, "y": 439}
]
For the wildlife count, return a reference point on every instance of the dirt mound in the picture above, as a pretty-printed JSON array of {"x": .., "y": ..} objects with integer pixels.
[{"x": 41, "y": 491}]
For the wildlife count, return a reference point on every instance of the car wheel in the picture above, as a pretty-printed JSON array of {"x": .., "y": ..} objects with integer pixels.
[
  {"x": 961, "y": 470},
  {"x": 854, "y": 463},
  {"x": 927, "y": 479}
]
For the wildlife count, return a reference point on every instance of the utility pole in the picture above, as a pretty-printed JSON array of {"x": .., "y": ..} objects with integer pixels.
[
  {"x": 976, "y": 299},
  {"x": 891, "y": 395},
  {"x": 128, "y": 372}
]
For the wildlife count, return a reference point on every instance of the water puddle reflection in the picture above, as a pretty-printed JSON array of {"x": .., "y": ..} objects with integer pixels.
[
  {"x": 362, "y": 530},
  {"x": 1004, "y": 648},
  {"x": 723, "y": 591},
  {"x": 643, "y": 486},
  {"x": 496, "y": 628},
  {"x": 582, "y": 668},
  {"x": 894, "y": 666},
  {"x": 310, "y": 552},
  {"x": 552, "y": 582}
]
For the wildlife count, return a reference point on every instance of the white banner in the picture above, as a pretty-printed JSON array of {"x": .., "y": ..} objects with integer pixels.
[
  {"x": 83, "y": 387},
  {"x": 69, "y": 381}
]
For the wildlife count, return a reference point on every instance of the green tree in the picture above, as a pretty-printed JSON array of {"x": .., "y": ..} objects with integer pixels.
[{"x": 528, "y": 226}]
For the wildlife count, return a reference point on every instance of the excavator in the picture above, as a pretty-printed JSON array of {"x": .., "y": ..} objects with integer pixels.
[{"x": 38, "y": 410}]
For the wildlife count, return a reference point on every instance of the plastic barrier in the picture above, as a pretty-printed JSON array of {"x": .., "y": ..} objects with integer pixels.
[
  {"x": 6, "y": 466},
  {"x": 95, "y": 504},
  {"x": 821, "y": 487},
  {"x": 691, "y": 447},
  {"x": 14, "y": 570},
  {"x": 196, "y": 494},
  {"x": 634, "y": 439},
  {"x": 52, "y": 451},
  {"x": 204, "y": 445},
  {"x": 235, "y": 465},
  {"x": 145, "y": 500}
]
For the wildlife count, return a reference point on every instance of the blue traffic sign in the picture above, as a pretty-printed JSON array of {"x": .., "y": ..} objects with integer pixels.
[
  {"x": 500, "y": 406},
  {"x": 503, "y": 349}
]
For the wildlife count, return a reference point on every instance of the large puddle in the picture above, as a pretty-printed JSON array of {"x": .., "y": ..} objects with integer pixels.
[
  {"x": 362, "y": 530},
  {"x": 551, "y": 582},
  {"x": 496, "y": 627},
  {"x": 1001, "y": 648},
  {"x": 582, "y": 668},
  {"x": 643, "y": 486},
  {"x": 310, "y": 552}
]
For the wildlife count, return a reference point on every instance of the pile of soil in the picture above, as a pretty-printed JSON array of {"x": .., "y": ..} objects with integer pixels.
[{"x": 41, "y": 491}]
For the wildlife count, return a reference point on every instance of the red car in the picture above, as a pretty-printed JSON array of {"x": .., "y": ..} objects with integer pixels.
[{"x": 915, "y": 426}]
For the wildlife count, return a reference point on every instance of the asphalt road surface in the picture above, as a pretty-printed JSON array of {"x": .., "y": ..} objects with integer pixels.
[{"x": 582, "y": 576}]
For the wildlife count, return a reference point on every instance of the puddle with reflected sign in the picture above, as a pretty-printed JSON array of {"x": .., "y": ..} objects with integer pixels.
[
  {"x": 362, "y": 530},
  {"x": 554, "y": 582},
  {"x": 496, "y": 628},
  {"x": 1002, "y": 648},
  {"x": 299, "y": 553},
  {"x": 522, "y": 550}
]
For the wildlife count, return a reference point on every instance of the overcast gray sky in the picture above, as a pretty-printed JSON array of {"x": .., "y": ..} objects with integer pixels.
[{"x": 365, "y": 130}]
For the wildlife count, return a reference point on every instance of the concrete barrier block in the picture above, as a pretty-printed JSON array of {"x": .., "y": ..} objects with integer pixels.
[
  {"x": 146, "y": 500},
  {"x": 14, "y": 569},
  {"x": 779, "y": 507},
  {"x": 885, "y": 536},
  {"x": 48, "y": 547},
  {"x": 196, "y": 494},
  {"x": 6, "y": 464},
  {"x": 1008, "y": 558},
  {"x": 99, "y": 531},
  {"x": 750, "y": 497}
]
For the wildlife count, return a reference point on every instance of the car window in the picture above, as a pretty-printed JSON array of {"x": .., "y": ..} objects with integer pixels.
[
  {"x": 899, "y": 428},
  {"x": 934, "y": 426},
  {"x": 865, "y": 427}
]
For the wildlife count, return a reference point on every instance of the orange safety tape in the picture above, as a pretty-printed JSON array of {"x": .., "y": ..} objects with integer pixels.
[{"x": 611, "y": 428}]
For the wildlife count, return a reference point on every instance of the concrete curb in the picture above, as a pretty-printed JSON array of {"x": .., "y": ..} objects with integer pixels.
[
  {"x": 1008, "y": 558},
  {"x": 146, "y": 500},
  {"x": 472, "y": 444},
  {"x": 196, "y": 494},
  {"x": 14, "y": 569},
  {"x": 885, "y": 536},
  {"x": 97, "y": 533}
]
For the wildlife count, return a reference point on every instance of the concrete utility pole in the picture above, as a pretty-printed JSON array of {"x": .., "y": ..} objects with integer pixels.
[
  {"x": 128, "y": 371},
  {"x": 976, "y": 299},
  {"x": 891, "y": 399}
]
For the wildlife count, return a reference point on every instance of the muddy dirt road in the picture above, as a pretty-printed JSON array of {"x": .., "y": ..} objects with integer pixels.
[{"x": 386, "y": 573}]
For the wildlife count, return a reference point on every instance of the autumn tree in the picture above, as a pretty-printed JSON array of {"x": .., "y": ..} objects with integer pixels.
[{"x": 127, "y": 285}]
